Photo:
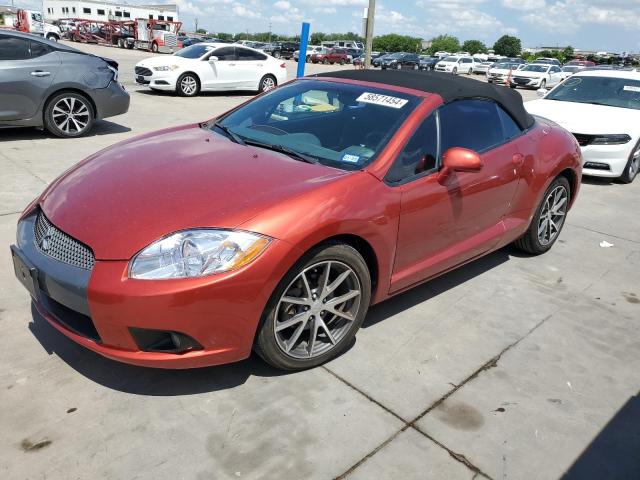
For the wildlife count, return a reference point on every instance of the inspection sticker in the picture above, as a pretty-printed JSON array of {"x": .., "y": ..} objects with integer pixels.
[
  {"x": 631, "y": 88},
  {"x": 347, "y": 157},
  {"x": 384, "y": 100}
]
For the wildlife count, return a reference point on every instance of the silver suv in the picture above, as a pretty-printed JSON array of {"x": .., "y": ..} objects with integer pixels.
[{"x": 47, "y": 84}]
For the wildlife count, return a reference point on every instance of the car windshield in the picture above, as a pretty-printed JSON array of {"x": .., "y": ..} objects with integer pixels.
[
  {"x": 609, "y": 91},
  {"x": 395, "y": 56},
  {"x": 505, "y": 66},
  {"x": 536, "y": 68},
  {"x": 450, "y": 59},
  {"x": 336, "y": 124},
  {"x": 571, "y": 68},
  {"x": 194, "y": 51}
]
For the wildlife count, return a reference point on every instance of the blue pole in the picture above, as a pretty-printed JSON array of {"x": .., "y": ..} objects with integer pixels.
[{"x": 304, "y": 41}]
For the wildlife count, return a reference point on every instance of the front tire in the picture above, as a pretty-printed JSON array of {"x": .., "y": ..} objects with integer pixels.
[
  {"x": 548, "y": 220},
  {"x": 53, "y": 37},
  {"x": 633, "y": 166},
  {"x": 454, "y": 71},
  {"x": 543, "y": 84},
  {"x": 69, "y": 115},
  {"x": 154, "y": 47},
  {"x": 316, "y": 310},
  {"x": 188, "y": 85}
]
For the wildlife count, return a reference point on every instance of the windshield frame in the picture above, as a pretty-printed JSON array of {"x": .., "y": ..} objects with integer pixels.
[
  {"x": 542, "y": 68},
  {"x": 196, "y": 46}
]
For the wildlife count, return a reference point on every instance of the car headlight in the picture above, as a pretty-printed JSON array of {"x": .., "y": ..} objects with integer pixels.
[
  {"x": 197, "y": 253},
  {"x": 611, "y": 139},
  {"x": 166, "y": 68}
]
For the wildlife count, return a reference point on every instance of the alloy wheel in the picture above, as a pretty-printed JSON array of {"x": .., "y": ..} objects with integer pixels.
[
  {"x": 189, "y": 85},
  {"x": 71, "y": 115},
  {"x": 634, "y": 165},
  {"x": 317, "y": 309},
  {"x": 268, "y": 83},
  {"x": 553, "y": 215}
]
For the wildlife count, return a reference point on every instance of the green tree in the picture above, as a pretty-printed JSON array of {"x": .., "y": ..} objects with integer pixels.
[
  {"x": 446, "y": 43},
  {"x": 201, "y": 31},
  {"x": 224, "y": 36},
  {"x": 317, "y": 38},
  {"x": 508, "y": 46},
  {"x": 396, "y": 43},
  {"x": 474, "y": 46},
  {"x": 568, "y": 53}
]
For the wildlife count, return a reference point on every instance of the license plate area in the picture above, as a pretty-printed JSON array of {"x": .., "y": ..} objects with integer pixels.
[{"x": 25, "y": 272}]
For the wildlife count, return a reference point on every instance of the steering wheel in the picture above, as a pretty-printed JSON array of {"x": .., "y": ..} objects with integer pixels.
[
  {"x": 270, "y": 129},
  {"x": 372, "y": 139}
]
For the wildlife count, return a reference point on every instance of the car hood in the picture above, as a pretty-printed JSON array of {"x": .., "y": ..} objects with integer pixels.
[
  {"x": 125, "y": 197},
  {"x": 500, "y": 71},
  {"x": 586, "y": 118}
]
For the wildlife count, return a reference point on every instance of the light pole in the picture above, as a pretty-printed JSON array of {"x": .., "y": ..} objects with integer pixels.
[{"x": 371, "y": 13}]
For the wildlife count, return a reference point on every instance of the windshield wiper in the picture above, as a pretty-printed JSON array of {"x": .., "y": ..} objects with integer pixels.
[
  {"x": 234, "y": 137},
  {"x": 286, "y": 150}
]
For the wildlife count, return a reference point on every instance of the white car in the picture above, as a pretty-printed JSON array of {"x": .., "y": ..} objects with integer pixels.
[
  {"x": 602, "y": 110},
  {"x": 311, "y": 49},
  {"x": 569, "y": 70},
  {"x": 455, "y": 65},
  {"x": 482, "y": 67},
  {"x": 499, "y": 72},
  {"x": 211, "y": 67},
  {"x": 537, "y": 75}
]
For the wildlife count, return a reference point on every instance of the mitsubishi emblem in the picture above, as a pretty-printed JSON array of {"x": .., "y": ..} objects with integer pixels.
[{"x": 44, "y": 243}]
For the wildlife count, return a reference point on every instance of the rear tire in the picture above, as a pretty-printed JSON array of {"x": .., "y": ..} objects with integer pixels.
[
  {"x": 271, "y": 343},
  {"x": 57, "y": 120},
  {"x": 540, "y": 236},
  {"x": 188, "y": 85},
  {"x": 268, "y": 82}
]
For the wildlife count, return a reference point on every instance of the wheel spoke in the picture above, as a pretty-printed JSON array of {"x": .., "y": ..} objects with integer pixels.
[
  {"x": 542, "y": 227},
  {"x": 294, "y": 338},
  {"x": 334, "y": 302},
  {"x": 305, "y": 282},
  {"x": 73, "y": 104},
  {"x": 337, "y": 282},
  {"x": 324, "y": 280},
  {"x": 340, "y": 313},
  {"x": 300, "y": 317},
  {"x": 312, "y": 336},
  {"x": 296, "y": 300},
  {"x": 324, "y": 327}
]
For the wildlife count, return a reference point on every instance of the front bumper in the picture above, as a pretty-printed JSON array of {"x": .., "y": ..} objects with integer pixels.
[
  {"x": 100, "y": 309},
  {"x": 606, "y": 160},
  {"x": 526, "y": 82},
  {"x": 165, "y": 80},
  {"x": 111, "y": 101}
]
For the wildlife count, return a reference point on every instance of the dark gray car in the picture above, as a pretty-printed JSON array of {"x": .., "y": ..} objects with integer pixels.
[{"x": 47, "y": 84}]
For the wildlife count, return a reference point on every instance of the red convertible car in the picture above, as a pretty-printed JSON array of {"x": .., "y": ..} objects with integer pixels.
[{"x": 275, "y": 226}]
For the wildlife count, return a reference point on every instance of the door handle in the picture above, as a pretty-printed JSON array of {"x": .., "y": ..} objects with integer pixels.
[
  {"x": 518, "y": 159},
  {"x": 39, "y": 73}
]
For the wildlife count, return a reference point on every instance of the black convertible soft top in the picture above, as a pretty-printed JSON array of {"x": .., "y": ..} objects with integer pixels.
[{"x": 449, "y": 87}]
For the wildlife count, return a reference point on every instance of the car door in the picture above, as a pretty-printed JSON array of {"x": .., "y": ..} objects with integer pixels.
[
  {"x": 27, "y": 70},
  {"x": 556, "y": 75},
  {"x": 446, "y": 220},
  {"x": 222, "y": 73},
  {"x": 250, "y": 68}
]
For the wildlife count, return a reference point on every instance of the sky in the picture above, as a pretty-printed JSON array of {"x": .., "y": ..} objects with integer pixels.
[{"x": 600, "y": 25}]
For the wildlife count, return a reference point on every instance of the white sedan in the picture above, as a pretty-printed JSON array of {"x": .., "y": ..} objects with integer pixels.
[
  {"x": 455, "y": 65},
  {"x": 537, "y": 75},
  {"x": 211, "y": 67},
  {"x": 602, "y": 110}
]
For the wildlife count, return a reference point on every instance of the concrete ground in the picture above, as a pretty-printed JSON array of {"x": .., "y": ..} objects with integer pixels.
[{"x": 511, "y": 367}]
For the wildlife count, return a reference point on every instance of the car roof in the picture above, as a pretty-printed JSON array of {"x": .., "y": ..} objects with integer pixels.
[
  {"x": 54, "y": 45},
  {"x": 628, "y": 74},
  {"x": 443, "y": 84}
]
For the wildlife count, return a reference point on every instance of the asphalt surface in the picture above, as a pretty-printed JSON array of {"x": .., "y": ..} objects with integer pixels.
[{"x": 510, "y": 367}]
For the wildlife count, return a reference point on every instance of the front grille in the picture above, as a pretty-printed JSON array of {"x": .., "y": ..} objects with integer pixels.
[
  {"x": 145, "y": 72},
  {"x": 60, "y": 246},
  {"x": 521, "y": 81},
  {"x": 170, "y": 40},
  {"x": 583, "y": 139}
]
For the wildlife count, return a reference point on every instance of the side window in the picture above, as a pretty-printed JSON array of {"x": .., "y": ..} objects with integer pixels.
[
  {"x": 13, "y": 48},
  {"x": 472, "y": 124},
  {"x": 225, "y": 53},
  {"x": 419, "y": 154},
  {"x": 249, "y": 55},
  {"x": 39, "y": 49},
  {"x": 510, "y": 128}
]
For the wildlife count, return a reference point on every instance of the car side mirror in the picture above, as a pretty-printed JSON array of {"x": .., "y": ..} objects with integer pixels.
[
  {"x": 213, "y": 58},
  {"x": 458, "y": 159},
  {"x": 542, "y": 92}
]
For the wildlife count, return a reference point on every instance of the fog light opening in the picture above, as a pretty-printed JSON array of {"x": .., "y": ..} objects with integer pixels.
[{"x": 164, "y": 341}]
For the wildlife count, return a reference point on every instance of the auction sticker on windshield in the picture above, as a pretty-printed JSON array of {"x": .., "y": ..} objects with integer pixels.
[{"x": 384, "y": 100}]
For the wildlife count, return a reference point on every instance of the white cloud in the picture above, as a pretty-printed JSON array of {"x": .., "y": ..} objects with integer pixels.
[
  {"x": 524, "y": 4},
  {"x": 246, "y": 13},
  {"x": 282, "y": 5}
]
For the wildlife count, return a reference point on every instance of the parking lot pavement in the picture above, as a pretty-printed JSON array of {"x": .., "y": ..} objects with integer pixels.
[{"x": 510, "y": 367}]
